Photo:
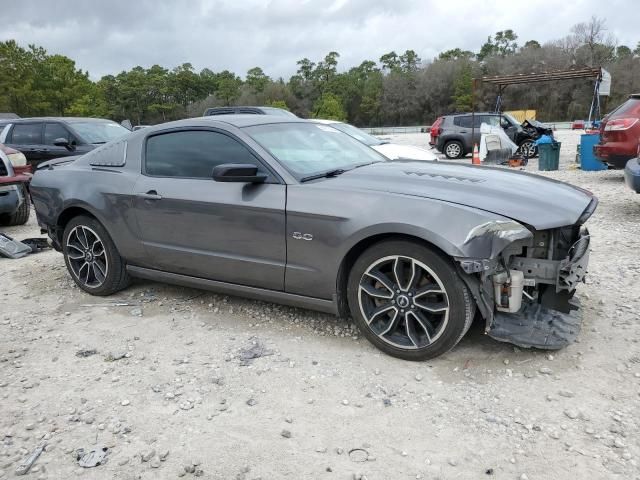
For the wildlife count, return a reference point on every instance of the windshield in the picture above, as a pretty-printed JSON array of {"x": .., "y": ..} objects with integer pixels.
[
  {"x": 357, "y": 134},
  {"x": 309, "y": 149},
  {"x": 99, "y": 132},
  {"x": 513, "y": 121}
]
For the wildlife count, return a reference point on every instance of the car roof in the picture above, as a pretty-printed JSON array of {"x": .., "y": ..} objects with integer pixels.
[
  {"x": 60, "y": 119},
  {"x": 237, "y": 120}
]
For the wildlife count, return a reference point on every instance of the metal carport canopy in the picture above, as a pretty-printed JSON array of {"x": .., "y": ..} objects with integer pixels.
[{"x": 503, "y": 80}]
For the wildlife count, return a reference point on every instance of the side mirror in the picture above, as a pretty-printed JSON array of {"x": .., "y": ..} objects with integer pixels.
[
  {"x": 63, "y": 142},
  {"x": 238, "y": 172}
]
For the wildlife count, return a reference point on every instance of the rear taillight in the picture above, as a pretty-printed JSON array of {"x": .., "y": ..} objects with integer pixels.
[
  {"x": 620, "y": 124},
  {"x": 435, "y": 128}
]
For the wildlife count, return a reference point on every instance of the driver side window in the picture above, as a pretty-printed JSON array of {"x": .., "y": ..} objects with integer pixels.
[
  {"x": 53, "y": 131},
  {"x": 194, "y": 154}
]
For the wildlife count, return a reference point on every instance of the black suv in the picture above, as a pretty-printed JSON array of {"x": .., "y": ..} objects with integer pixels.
[
  {"x": 42, "y": 139},
  {"x": 250, "y": 110},
  {"x": 453, "y": 135}
]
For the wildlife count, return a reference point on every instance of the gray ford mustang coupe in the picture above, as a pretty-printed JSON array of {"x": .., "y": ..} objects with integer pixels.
[{"x": 299, "y": 213}]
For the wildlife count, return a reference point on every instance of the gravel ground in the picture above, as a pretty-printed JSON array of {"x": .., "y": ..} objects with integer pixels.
[{"x": 162, "y": 377}]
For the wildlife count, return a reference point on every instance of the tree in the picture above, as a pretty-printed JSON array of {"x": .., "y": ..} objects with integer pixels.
[
  {"x": 456, "y": 54},
  {"x": 18, "y": 71},
  {"x": 326, "y": 70},
  {"x": 277, "y": 104},
  {"x": 505, "y": 42},
  {"x": 532, "y": 44},
  {"x": 622, "y": 51},
  {"x": 409, "y": 61},
  {"x": 305, "y": 69},
  {"x": 228, "y": 87},
  {"x": 593, "y": 36},
  {"x": 257, "y": 79},
  {"x": 328, "y": 107},
  {"x": 390, "y": 61},
  {"x": 61, "y": 83},
  {"x": 502, "y": 43},
  {"x": 463, "y": 89}
]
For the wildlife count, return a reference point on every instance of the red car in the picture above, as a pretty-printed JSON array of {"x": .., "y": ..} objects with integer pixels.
[
  {"x": 17, "y": 159},
  {"x": 620, "y": 134},
  {"x": 14, "y": 195},
  {"x": 577, "y": 125}
]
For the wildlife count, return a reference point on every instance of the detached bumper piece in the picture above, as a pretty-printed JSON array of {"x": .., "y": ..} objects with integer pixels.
[
  {"x": 536, "y": 326},
  {"x": 11, "y": 248}
]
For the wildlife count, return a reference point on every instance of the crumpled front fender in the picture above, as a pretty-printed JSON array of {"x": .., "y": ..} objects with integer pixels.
[{"x": 490, "y": 239}]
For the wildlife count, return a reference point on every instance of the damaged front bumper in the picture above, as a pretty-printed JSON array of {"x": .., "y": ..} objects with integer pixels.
[{"x": 552, "y": 263}]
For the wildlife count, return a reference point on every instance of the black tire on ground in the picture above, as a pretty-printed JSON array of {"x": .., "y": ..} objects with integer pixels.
[
  {"x": 460, "y": 303},
  {"x": 20, "y": 216},
  {"x": 116, "y": 277},
  {"x": 453, "y": 149}
]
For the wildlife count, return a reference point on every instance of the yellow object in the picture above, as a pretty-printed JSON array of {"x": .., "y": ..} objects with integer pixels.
[{"x": 522, "y": 115}]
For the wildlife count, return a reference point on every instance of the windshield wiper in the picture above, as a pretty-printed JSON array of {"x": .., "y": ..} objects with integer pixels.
[
  {"x": 330, "y": 173},
  {"x": 98, "y": 143}
]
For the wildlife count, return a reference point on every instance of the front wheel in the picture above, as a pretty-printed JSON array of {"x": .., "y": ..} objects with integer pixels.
[
  {"x": 92, "y": 258},
  {"x": 408, "y": 300}
]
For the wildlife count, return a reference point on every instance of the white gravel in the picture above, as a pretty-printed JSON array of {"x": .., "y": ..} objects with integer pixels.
[{"x": 322, "y": 403}]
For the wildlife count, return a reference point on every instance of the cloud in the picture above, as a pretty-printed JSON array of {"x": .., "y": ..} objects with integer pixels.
[{"x": 108, "y": 37}]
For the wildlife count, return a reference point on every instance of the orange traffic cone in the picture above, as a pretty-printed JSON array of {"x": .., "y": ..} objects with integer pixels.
[{"x": 476, "y": 155}]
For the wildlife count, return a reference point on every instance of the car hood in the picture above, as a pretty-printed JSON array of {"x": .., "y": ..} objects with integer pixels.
[
  {"x": 529, "y": 199},
  {"x": 394, "y": 151}
]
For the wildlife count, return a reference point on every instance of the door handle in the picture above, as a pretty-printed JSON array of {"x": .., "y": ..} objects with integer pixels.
[{"x": 150, "y": 195}]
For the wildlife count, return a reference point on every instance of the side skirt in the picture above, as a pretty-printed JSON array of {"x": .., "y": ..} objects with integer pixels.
[{"x": 327, "y": 306}]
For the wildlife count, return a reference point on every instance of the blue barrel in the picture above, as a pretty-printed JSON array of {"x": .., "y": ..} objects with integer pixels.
[{"x": 588, "y": 160}]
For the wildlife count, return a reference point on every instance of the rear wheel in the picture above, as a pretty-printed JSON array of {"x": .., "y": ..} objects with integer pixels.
[
  {"x": 453, "y": 149},
  {"x": 408, "y": 300},
  {"x": 92, "y": 258}
]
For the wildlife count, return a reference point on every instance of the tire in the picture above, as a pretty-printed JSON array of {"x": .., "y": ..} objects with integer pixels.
[
  {"x": 453, "y": 149},
  {"x": 21, "y": 215},
  {"x": 396, "y": 316},
  {"x": 86, "y": 241},
  {"x": 528, "y": 145}
]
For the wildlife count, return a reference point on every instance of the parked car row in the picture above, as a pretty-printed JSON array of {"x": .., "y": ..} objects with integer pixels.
[{"x": 42, "y": 139}]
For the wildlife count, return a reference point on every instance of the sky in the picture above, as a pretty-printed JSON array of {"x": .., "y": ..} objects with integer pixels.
[{"x": 109, "y": 36}]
